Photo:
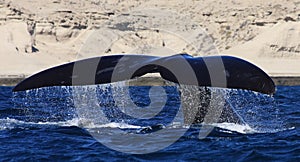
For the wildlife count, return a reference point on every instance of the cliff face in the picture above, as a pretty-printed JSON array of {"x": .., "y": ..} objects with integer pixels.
[{"x": 50, "y": 32}]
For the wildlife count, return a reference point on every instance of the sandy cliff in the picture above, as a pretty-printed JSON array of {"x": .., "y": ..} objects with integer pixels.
[{"x": 40, "y": 34}]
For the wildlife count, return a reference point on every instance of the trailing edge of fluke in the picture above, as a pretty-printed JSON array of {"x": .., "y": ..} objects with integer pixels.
[{"x": 181, "y": 68}]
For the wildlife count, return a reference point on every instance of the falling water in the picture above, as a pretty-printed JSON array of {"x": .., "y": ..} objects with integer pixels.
[{"x": 145, "y": 106}]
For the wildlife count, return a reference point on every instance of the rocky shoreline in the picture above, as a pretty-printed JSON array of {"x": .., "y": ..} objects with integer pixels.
[
  {"x": 153, "y": 81},
  {"x": 11, "y": 80}
]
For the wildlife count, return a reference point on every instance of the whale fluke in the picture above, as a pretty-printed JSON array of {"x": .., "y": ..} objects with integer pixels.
[{"x": 214, "y": 71}]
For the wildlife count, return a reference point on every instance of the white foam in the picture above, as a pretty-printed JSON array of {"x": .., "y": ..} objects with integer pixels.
[
  {"x": 244, "y": 129},
  {"x": 83, "y": 123},
  {"x": 8, "y": 124}
]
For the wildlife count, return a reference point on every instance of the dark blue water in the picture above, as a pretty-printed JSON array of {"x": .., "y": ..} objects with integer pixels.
[{"x": 48, "y": 125}]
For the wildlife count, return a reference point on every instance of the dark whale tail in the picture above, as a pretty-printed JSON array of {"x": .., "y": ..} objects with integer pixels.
[{"x": 215, "y": 71}]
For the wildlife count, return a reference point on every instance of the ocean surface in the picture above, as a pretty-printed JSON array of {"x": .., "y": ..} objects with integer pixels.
[{"x": 115, "y": 123}]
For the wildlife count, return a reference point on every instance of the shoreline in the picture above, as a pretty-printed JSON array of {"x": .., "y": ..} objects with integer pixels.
[
  {"x": 286, "y": 80},
  {"x": 12, "y": 80}
]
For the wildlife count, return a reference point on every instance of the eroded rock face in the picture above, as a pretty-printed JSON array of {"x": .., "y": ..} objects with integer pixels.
[
  {"x": 15, "y": 36},
  {"x": 52, "y": 23},
  {"x": 230, "y": 23},
  {"x": 59, "y": 28},
  {"x": 285, "y": 42}
]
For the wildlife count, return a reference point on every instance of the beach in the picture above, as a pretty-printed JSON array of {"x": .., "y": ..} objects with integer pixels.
[{"x": 37, "y": 35}]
